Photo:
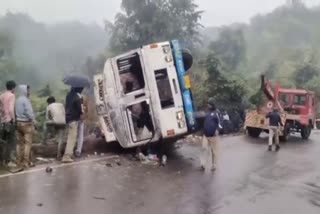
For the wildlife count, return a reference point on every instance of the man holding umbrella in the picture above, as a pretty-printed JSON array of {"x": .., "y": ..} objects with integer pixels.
[{"x": 74, "y": 112}]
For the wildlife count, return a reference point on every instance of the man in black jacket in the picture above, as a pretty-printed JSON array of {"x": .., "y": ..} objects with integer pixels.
[
  {"x": 274, "y": 128},
  {"x": 74, "y": 113}
]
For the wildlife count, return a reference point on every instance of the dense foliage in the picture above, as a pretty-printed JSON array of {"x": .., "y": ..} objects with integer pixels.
[
  {"x": 284, "y": 45},
  {"x": 145, "y": 22}
]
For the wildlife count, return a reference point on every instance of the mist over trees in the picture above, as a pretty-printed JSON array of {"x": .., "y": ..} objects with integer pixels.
[
  {"x": 145, "y": 22},
  {"x": 283, "y": 44},
  {"x": 36, "y": 53}
]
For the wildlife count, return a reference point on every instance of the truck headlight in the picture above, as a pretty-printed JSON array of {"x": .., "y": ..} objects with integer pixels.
[
  {"x": 181, "y": 124},
  {"x": 166, "y": 49},
  {"x": 168, "y": 59},
  {"x": 180, "y": 115}
]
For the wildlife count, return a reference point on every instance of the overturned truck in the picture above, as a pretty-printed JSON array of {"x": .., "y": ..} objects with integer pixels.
[
  {"x": 297, "y": 108},
  {"x": 144, "y": 95}
]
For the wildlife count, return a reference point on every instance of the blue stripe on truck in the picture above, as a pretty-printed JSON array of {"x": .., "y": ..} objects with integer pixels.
[{"x": 186, "y": 93}]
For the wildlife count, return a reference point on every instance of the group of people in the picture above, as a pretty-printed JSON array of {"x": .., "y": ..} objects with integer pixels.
[
  {"x": 18, "y": 125},
  {"x": 212, "y": 124}
]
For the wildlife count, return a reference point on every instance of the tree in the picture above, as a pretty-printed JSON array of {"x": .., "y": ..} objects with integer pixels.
[
  {"x": 45, "y": 92},
  {"x": 229, "y": 91},
  {"x": 257, "y": 99},
  {"x": 230, "y": 48},
  {"x": 146, "y": 21},
  {"x": 304, "y": 74},
  {"x": 271, "y": 70}
]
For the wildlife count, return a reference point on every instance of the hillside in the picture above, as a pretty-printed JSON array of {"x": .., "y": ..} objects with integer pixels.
[{"x": 46, "y": 52}]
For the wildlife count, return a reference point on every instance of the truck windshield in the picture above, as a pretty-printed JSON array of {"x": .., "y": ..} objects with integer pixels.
[
  {"x": 130, "y": 71},
  {"x": 284, "y": 99},
  {"x": 300, "y": 100},
  {"x": 164, "y": 88}
]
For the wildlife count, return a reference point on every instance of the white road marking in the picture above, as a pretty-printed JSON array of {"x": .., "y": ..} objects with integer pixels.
[{"x": 59, "y": 166}]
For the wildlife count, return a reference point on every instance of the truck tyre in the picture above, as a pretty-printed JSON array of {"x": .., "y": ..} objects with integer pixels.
[
  {"x": 254, "y": 132},
  {"x": 318, "y": 124},
  {"x": 305, "y": 132},
  {"x": 286, "y": 133}
]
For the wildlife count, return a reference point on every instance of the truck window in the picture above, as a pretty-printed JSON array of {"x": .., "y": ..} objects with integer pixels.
[
  {"x": 164, "y": 88},
  {"x": 284, "y": 99},
  {"x": 131, "y": 74},
  {"x": 300, "y": 100}
]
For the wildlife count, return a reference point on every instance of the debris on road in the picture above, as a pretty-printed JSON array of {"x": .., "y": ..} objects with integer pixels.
[
  {"x": 164, "y": 160},
  {"x": 118, "y": 163},
  {"x": 150, "y": 160},
  {"x": 39, "y": 204},
  {"x": 152, "y": 157},
  {"x": 49, "y": 169},
  {"x": 142, "y": 157},
  {"x": 43, "y": 160},
  {"x": 99, "y": 198},
  {"x": 109, "y": 164}
]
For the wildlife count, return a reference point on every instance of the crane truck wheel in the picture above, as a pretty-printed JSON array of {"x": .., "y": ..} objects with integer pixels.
[
  {"x": 254, "y": 132},
  {"x": 318, "y": 124},
  {"x": 286, "y": 133},
  {"x": 305, "y": 132}
]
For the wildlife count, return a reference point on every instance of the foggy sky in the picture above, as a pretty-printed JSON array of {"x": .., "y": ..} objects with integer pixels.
[{"x": 217, "y": 12}]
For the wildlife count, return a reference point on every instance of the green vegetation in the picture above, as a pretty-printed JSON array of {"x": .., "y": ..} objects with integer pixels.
[
  {"x": 284, "y": 45},
  {"x": 146, "y": 22}
]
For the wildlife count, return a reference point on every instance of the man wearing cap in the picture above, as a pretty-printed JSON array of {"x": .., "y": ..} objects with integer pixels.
[
  {"x": 210, "y": 140},
  {"x": 274, "y": 128}
]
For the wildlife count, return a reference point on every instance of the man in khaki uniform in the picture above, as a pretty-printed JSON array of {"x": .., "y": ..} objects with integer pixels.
[
  {"x": 210, "y": 139},
  {"x": 274, "y": 128},
  {"x": 25, "y": 127},
  {"x": 74, "y": 114}
]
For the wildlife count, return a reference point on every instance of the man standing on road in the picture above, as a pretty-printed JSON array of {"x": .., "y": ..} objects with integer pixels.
[
  {"x": 74, "y": 114},
  {"x": 274, "y": 128},
  {"x": 210, "y": 139},
  {"x": 25, "y": 127},
  {"x": 7, "y": 102},
  {"x": 56, "y": 120},
  {"x": 81, "y": 126}
]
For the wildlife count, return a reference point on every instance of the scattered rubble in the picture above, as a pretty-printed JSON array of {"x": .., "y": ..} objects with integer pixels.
[
  {"x": 49, "y": 169},
  {"x": 109, "y": 164},
  {"x": 99, "y": 198}
]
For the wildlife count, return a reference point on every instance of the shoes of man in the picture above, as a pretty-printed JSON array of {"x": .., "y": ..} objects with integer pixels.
[
  {"x": 78, "y": 154},
  {"x": 270, "y": 148},
  {"x": 11, "y": 164},
  {"x": 67, "y": 159},
  {"x": 277, "y": 148}
]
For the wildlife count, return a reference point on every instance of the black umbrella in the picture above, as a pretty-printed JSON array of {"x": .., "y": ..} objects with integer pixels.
[{"x": 77, "y": 81}]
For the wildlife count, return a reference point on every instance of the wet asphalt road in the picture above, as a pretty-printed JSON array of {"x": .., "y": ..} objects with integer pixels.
[{"x": 248, "y": 180}]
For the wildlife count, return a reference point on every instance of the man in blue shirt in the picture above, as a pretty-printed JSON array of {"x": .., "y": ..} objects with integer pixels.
[
  {"x": 210, "y": 140},
  {"x": 274, "y": 128}
]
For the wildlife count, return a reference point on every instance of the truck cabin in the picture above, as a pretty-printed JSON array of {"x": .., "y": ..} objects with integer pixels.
[{"x": 296, "y": 101}]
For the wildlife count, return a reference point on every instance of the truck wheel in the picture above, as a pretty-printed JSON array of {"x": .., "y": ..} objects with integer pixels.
[
  {"x": 286, "y": 133},
  {"x": 318, "y": 124},
  {"x": 305, "y": 132},
  {"x": 254, "y": 132}
]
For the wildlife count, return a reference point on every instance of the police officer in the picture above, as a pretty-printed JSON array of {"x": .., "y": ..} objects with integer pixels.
[{"x": 274, "y": 128}]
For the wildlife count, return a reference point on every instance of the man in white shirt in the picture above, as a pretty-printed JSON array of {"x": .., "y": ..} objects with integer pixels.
[{"x": 56, "y": 120}]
